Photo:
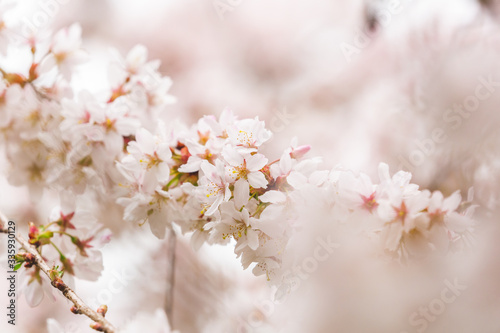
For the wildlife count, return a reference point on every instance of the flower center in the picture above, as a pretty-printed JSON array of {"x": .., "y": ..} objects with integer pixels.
[
  {"x": 151, "y": 160},
  {"x": 245, "y": 139}
]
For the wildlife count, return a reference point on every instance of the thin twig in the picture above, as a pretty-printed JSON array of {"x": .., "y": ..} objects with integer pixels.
[{"x": 81, "y": 307}]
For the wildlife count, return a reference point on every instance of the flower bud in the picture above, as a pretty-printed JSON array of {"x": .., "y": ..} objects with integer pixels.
[
  {"x": 96, "y": 326},
  {"x": 75, "y": 310},
  {"x": 102, "y": 310},
  {"x": 33, "y": 234},
  {"x": 29, "y": 260},
  {"x": 300, "y": 151},
  {"x": 59, "y": 284}
]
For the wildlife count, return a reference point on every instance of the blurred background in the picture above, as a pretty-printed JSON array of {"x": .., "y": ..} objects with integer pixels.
[{"x": 413, "y": 83}]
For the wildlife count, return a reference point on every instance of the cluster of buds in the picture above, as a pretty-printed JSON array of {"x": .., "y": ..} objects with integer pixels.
[
  {"x": 102, "y": 310},
  {"x": 24, "y": 258}
]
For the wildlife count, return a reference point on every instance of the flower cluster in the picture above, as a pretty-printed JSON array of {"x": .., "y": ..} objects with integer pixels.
[
  {"x": 213, "y": 180},
  {"x": 409, "y": 222},
  {"x": 56, "y": 138},
  {"x": 73, "y": 239}
]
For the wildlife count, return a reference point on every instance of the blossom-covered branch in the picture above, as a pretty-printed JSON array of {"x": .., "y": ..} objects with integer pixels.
[
  {"x": 32, "y": 257},
  {"x": 214, "y": 179}
]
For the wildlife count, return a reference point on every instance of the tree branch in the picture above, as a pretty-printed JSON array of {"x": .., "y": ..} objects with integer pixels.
[{"x": 100, "y": 323}]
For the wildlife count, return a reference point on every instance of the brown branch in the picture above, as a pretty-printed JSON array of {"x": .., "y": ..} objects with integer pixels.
[{"x": 100, "y": 323}]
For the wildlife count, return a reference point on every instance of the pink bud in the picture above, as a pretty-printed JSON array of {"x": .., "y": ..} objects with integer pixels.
[
  {"x": 98, "y": 327},
  {"x": 33, "y": 230},
  {"x": 59, "y": 284},
  {"x": 75, "y": 310},
  {"x": 300, "y": 151},
  {"x": 102, "y": 310}
]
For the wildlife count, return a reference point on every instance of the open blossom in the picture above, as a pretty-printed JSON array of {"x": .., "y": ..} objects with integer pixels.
[
  {"x": 358, "y": 191},
  {"x": 402, "y": 217},
  {"x": 34, "y": 284},
  {"x": 198, "y": 154},
  {"x": 113, "y": 125},
  {"x": 33, "y": 114},
  {"x": 245, "y": 166},
  {"x": 214, "y": 185},
  {"x": 65, "y": 51},
  {"x": 236, "y": 221},
  {"x": 31, "y": 167},
  {"x": 87, "y": 267},
  {"x": 136, "y": 59},
  {"x": 79, "y": 116},
  {"x": 445, "y": 220},
  {"x": 248, "y": 135},
  {"x": 399, "y": 182},
  {"x": 202, "y": 143},
  {"x": 133, "y": 63},
  {"x": 400, "y": 206},
  {"x": 139, "y": 79},
  {"x": 283, "y": 167},
  {"x": 220, "y": 128},
  {"x": 152, "y": 208},
  {"x": 148, "y": 155},
  {"x": 91, "y": 121},
  {"x": 150, "y": 89}
]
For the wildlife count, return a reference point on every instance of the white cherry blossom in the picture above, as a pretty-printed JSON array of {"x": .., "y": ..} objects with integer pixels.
[
  {"x": 214, "y": 185},
  {"x": 245, "y": 166},
  {"x": 65, "y": 51}
]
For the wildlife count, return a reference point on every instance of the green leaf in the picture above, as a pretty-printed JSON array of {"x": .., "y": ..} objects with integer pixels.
[{"x": 17, "y": 266}]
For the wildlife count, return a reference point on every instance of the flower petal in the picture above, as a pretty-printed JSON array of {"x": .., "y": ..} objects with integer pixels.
[
  {"x": 257, "y": 179},
  {"x": 273, "y": 197},
  {"x": 241, "y": 193}
]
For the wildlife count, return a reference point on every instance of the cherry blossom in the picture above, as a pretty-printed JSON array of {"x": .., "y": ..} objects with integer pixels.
[
  {"x": 246, "y": 166},
  {"x": 214, "y": 185},
  {"x": 35, "y": 285},
  {"x": 248, "y": 134},
  {"x": 65, "y": 52},
  {"x": 150, "y": 156}
]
